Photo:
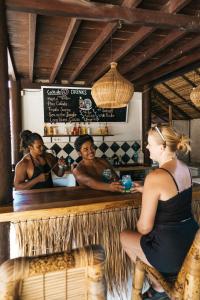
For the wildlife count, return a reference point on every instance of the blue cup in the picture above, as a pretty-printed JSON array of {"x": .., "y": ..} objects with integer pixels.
[{"x": 127, "y": 183}]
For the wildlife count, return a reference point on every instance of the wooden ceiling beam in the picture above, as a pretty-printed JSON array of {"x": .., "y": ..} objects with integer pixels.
[
  {"x": 32, "y": 40},
  {"x": 176, "y": 5},
  {"x": 174, "y": 53},
  {"x": 157, "y": 117},
  {"x": 164, "y": 106},
  {"x": 100, "y": 41},
  {"x": 151, "y": 51},
  {"x": 156, "y": 93},
  {"x": 189, "y": 103},
  {"x": 189, "y": 81},
  {"x": 106, "y": 12},
  {"x": 136, "y": 38},
  {"x": 170, "y": 75},
  {"x": 71, "y": 31}
]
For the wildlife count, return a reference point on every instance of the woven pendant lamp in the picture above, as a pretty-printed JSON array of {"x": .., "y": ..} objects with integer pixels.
[
  {"x": 112, "y": 90},
  {"x": 195, "y": 96}
]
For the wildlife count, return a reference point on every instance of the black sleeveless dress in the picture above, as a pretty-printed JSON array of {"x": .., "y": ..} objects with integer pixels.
[
  {"x": 166, "y": 246},
  {"x": 39, "y": 170}
]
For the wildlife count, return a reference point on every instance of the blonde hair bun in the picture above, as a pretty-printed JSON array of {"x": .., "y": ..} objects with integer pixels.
[{"x": 183, "y": 144}]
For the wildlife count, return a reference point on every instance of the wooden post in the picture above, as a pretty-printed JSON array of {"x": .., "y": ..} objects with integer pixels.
[
  {"x": 146, "y": 121},
  {"x": 5, "y": 148},
  {"x": 16, "y": 124}
]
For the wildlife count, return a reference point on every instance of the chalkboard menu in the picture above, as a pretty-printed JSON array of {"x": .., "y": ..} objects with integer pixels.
[{"x": 76, "y": 105}]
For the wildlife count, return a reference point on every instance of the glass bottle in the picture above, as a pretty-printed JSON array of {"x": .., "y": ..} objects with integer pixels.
[
  {"x": 88, "y": 128},
  {"x": 45, "y": 129}
]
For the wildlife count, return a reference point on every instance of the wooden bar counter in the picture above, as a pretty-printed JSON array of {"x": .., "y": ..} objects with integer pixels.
[
  {"x": 44, "y": 203},
  {"x": 58, "y": 219}
]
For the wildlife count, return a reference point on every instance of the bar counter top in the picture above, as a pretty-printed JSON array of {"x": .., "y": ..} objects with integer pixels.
[{"x": 36, "y": 204}]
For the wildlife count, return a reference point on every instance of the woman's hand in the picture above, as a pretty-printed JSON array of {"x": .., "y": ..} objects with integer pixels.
[
  {"x": 116, "y": 187},
  {"x": 138, "y": 187},
  {"x": 42, "y": 177},
  {"x": 61, "y": 162}
]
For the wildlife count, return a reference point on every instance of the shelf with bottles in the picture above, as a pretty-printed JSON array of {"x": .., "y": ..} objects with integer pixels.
[{"x": 71, "y": 136}]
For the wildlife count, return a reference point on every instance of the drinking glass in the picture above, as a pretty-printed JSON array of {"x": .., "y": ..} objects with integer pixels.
[
  {"x": 107, "y": 175},
  {"x": 127, "y": 183}
]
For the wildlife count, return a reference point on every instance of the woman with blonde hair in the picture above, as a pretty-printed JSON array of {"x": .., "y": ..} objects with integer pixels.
[{"x": 166, "y": 227}]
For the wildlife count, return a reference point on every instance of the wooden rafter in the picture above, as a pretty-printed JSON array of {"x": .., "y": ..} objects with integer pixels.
[
  {"x": 136, "y": 38},
  {"x": 168, "y": 102},
  {"x": 100, "y": 41},
  {"x": 164, "y": 105},
  {"x": 32, "y": 39},
  {"x": 189, "y": 103},
  {"x": 100, "y": 12},
  {"x": 177, "y": 70},
  {"x": 71, "y": 31},
  {"x": 188, "y": 81},
  {"x": 160, "y": 117},
  {"x": 186, "y": 61},
  {"x": 167, "y": 58},
  {"x": 151, "y": 51}
]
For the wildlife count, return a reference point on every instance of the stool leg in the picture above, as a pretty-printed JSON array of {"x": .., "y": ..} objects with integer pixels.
[
  {"x": 138, "y": 280},
  {"x": 192, "y": 287}
]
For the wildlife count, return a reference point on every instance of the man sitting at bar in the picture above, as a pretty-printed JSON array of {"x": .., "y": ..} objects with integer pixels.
[
  {"x": 93, "y": 172},
  {"x": 33, "y": 171}
]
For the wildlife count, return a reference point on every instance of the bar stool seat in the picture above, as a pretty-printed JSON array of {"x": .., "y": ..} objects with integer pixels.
[
  {"x": 187, "y": 284},
  {"x": 76, "y": 275}
]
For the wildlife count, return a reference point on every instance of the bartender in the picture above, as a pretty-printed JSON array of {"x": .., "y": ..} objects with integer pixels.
[
  {"x": 93, "y": 172},
  {"x": 33, "y": 171}
]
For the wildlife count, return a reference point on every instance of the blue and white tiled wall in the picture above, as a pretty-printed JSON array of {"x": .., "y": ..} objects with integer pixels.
[{"x": 125, "y": 151}]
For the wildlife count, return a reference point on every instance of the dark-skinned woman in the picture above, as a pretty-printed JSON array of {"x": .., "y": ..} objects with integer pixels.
[{"x": 33, "y": 171}]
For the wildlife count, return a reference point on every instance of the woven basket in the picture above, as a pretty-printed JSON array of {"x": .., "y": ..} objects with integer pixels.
[
  {"x": 195, "y": 96},
  {"x": 112, "y": 90}
]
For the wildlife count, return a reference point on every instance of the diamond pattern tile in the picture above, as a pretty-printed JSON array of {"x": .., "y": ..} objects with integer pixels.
[
  {"x": 114, "y": 147},
  {"x": 103, "y": 147},
  {"x": 125, "y": 158},
  {"x": 127, "y": 151},
  {"x": 56, "y": 148},
  {"x": 136, "y": 146},
  {"x": 68, "y": 148},
  {"x": 125, "y": 146}
]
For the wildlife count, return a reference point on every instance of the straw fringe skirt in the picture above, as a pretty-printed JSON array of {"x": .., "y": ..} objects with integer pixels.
[{"x": 73, "y": 231}]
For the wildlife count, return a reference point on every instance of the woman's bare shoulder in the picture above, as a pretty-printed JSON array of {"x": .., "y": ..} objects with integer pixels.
[{"x": 24, "y": 161}]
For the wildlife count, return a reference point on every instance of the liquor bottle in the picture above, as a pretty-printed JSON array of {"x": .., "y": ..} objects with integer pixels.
[
  {"x": 83, "y": 129},
  {"x": 75, "y": 130},
  {"x": 106, "y": 130},
  {"x": 45, "y": 129},
  {"x": 88, "y": 128},
  {"x": 79, "y": 129}
]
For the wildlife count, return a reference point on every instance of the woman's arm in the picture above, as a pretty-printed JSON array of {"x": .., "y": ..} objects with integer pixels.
[
  {"x": 109, "y": 166},
  {"x": 20, "y": 178},
  {"x": 150, "y": 197},
  {"x": 57, "y": 165},
  {"x": 84, "y": 179}
]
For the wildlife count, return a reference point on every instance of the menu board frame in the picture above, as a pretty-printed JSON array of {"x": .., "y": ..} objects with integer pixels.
[{"x": 75, "y": 104}]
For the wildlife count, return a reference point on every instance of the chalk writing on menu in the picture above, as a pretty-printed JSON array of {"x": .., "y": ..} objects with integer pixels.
[{"x": 76, "y": 105}]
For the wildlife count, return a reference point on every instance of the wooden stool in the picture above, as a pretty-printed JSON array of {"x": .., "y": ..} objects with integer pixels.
[
  {"x": 76, "y": 275},
  {"x": 187, "y": 284}
]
